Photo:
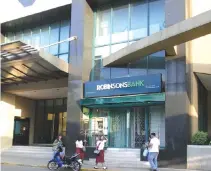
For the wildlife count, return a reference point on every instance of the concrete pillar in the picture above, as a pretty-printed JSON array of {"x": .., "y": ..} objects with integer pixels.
[
  {"x": 177, "y": 118},
  {"x": 79, "y": 71}
]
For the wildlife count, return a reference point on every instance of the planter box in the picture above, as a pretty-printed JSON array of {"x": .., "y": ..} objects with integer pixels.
[{"x": 199, "y": 157}]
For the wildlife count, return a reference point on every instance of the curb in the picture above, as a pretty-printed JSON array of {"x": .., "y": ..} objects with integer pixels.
[{"x": 38, "y": 166}]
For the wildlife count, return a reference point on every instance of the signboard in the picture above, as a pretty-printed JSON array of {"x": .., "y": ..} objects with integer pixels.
[{"x": 123, "y": 86}]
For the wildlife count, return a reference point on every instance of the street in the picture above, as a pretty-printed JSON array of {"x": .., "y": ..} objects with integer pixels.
[
  {"x": 27, "y": 168},
  {"x": 21, "y": 168}
]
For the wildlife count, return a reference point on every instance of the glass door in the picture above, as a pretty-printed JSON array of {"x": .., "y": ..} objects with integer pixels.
[
  {"x": 62, "y": 123},
  {"x": 138, "y": 124},
  {"x": 51, "y": 126},
  {"x": 57, "y": 124},
  {"x": 118, "y": 128},
  {"x": 21, "y": 131}
]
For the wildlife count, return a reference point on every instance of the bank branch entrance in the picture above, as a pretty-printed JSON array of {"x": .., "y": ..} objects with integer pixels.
[{"x": 125, "y": 110}]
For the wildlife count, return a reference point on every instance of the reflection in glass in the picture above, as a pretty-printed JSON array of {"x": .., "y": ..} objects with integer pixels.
[
  {"x": 36, "y": 37},
  {"x": 120, "y": 24},
  {"x": 105, "y": 73},
  {"x": 117, "y": 47},
  {"x": 138, "y": 22},
  {"x": 18, "y": 36},
  {"x": 102, "y": 51},
  {"x": 97, "y": 68},
  {"x": 157, "y": 15},
  {"x": 64, "y": 57},
  {"x": 157, "y": 60},
  {"x": 44, "y": 37},
  {"x": 139, "y": 67},
  {"x": 119, "y": 72},
  {"x": 64, "y": 34},
  {"x": 54, "y": 37},
  {"x": 10, "y": 37},
  {"x": 103, "y": 27},
  {"x": 27, "y": 37}
]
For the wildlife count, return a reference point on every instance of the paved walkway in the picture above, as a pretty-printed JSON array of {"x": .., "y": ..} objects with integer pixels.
[{"x": 38, "y": 158}]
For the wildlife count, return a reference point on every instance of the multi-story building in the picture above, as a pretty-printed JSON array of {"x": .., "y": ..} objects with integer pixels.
[{"x": 132, "y": 67}]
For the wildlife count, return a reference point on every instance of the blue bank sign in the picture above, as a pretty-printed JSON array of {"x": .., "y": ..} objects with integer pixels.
[{"x": 123, "y": 86}]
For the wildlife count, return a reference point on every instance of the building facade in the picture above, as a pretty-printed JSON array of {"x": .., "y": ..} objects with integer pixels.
[{"x": 51, "y": 86}]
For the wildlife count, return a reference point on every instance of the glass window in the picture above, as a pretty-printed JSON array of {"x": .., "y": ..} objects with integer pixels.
[
  {"x": 44, "y": 37},
  {"x": 139, "y": 67},
  {"x": 18, "y": 36},
  {"x": 64, "y": 57},
  {"x": 64, "y": 34},
  {"x": 65, "y": 101},
  {"x": 103, "y": 26},
  {"x": 157, "y": 60},
  {"x": 102, "y": 51},
  {"x": 106, "y": 73},
  {"x": 54, "y": 37},
  {"x": 119, "y": 72},
  {"x": 36, "y": 37},
  {"x": 41, "y": 103},
  {"x": 10, "y": 37},
  {"x": 115, "y": 48},
  {"x": 157, "y": 15},
  {"x": 138, "y": 22},
  {"x": 97, "y": 68},
  {"x": 120, "y": 24},
  {"x": 49, "y": 102},
  {"x": 156, "y": 64},
  {"x": 27, "y": 37},
  {"x": 59, "y": 102}
]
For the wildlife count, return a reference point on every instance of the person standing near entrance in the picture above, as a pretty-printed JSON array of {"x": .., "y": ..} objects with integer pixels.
[
  {"x": 80, "y": 149},
  {"x": 154, "y": 146},
  {"x": 100, "y": 147}
]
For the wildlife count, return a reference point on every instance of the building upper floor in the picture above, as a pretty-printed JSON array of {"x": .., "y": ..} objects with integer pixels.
[{"x": 116, "y": 24}]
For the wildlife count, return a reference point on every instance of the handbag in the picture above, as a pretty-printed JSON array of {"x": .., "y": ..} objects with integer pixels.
[
  {"x": 96, "y": 151},
  {"x": 145, "y": 152},
  {"x": 84, "y": 149}
]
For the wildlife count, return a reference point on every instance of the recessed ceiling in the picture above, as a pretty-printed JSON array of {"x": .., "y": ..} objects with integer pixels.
[
  {"x": 44, "y": 93},
  {"x": 205, "y": 79}
]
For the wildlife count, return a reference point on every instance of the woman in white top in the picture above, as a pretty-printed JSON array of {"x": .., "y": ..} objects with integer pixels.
[
  {"x": 100, "y": 146},
  {"x": 80, "y": 147}
]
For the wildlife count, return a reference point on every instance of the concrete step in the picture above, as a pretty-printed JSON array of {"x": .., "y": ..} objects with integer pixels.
[
  {"x": 123, "y": 164},
  {"x": 121, "y": 156},
  {"x": 122, "y": 160}
]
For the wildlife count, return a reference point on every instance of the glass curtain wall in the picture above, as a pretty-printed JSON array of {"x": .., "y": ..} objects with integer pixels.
[
  {"x": 46, "y": 35},
  {"x": 50, "y": 120},
  {"x": 119, "y": 26}
]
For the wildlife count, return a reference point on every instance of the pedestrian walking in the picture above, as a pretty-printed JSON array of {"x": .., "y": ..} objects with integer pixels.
[
  {"x": 80, "y": 148},
  {"x": 153, "y": 147},
  {"x": 100, "y": 152}
]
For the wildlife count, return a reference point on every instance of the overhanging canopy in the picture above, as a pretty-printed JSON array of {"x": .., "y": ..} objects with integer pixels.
[
  {"x": 22, "y": 63},
  {"x": 166, "y": 39},
  {"x": 135, "y": 100}
]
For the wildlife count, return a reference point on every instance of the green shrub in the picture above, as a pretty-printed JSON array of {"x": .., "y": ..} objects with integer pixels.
[
  {"x": 200, "y": 138},
  {"x": 210, "y": 142}
]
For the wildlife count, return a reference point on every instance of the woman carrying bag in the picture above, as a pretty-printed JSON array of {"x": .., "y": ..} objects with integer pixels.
[{"x": 100, "y": 152}]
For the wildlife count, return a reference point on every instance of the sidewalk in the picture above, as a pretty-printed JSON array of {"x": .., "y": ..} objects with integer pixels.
[{"x": 37, "y": 158}]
